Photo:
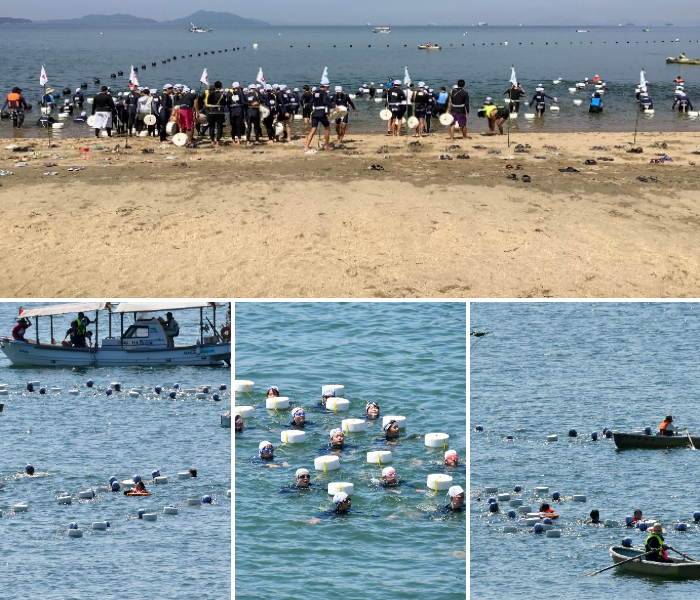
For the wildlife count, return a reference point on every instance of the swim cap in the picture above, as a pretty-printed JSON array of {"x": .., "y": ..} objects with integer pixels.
[
  {"x": 388, "y": 424},
  {"x": 370, "y": 404},
  {"x": 235, "y": 84},
  {"x": 77, "y": 89},
  {"x": 168, "y": 86},
  {"x": 455, "y": 490},
  {"x": 336, "y": 430},
  {"x": 298, "y": 409},
  {"x": 328, "y": 394},
  {"x": 262, "y": 444},
  {"x": 300, "y": 471},
  {"x": 421, "y": 84},
  {"x": 450, "y": 452},
  {"x": 296, "y": 89},
  {"x": 339, "y": 497},
  {"x": 387, "y": 470},
  {"x": 274, "y": 388},
  {"x": 489, "y": 99},
  {"x": 397, "y": 82},
  {"x": 338, "y": 88}
]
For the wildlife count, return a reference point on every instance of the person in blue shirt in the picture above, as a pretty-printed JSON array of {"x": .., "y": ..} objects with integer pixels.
[
  {"x": 645, "y": 102},
  {"x": 596, "y": 105}
]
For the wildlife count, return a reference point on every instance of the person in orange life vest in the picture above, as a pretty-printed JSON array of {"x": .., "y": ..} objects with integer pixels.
[
  {"x": 16, "y": 103},
  {"x": 637, "y": 516},
  {"x": 546, "y": 511},
  {"x": 667, "y": 427}
]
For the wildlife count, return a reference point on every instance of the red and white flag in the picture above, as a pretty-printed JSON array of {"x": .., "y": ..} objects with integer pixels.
[
  {"x": 260, "y": 78},
  {"x": 205, "y": 77},
  {"x": 133, "y": 80},
  {"x": 43, "y": 78}
]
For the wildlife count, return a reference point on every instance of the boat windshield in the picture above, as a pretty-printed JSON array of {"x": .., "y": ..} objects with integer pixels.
[{"x": 137, "y": 331}]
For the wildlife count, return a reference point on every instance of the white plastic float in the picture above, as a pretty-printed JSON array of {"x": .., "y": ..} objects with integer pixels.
[
  {"x": 379, "y": 457},
  {"x": 353, "y": 425},
  {"x": 336, "y": 388},
  {"x": 552, "y": 438},
  {"x": 55, "y": 389},
  {"x": 161, "y": 479},
  {"x": 649, "y": 111},
  {"x": 529, "y": 115},
  {"x": 327, "y": 463},
  {"x": 340, "y": 486},
  {"x": 400, "y": 421},
  {"x": 133, "y": 394},
  {"x": 183, "y": 475},
  {"x": 100, "y": 525},
  {"x": 693, "y": 113},
  {"x": 20, "y": 508},
  {"x": 171, "y": 510},
  {"x": 579, "y": 498},
  {"x": 578, "y": 102},
  {"x": 540, "y": 490},
  {"x": 446, "y": 119},
  {"x": 76, "y": 533},
  {"x": 292, "y": 436},
  {"x": 194, "y": 501},
  {"x": 611, "y": 523},
  {"x": 503, "y": 497},
  {"x": 554, "y": 108},
  {"x": 491, "y": 489},
  {"x": 150, "y": 516},
  {"x": 524, "y": 509},
  {"x": 245, "y": 412},
  {"x": 276, "y": 403},
  {"x": 228, "y": 493},
  {"x": 86, "y": 494},
  {"x": 553, "y": 533},
  {"x": 64, "y": 499},
  {"x": 510, "y": 529},
  {"x": 439, "y": 481},
  {"x": 243, "y": 386},
  {"x": 337, "y": 404},
  {"x": 102, "y": 488},
  {"x": 4, "y": 392},
  {"x": 200, "y": 395},
  {"x": 437, "y": 440},
  {"x": 190, "y": 390},
  {"x": 516, "y": 502},
  {"x": 130, "y": 484},
  {"x": 531, "y": 521}
]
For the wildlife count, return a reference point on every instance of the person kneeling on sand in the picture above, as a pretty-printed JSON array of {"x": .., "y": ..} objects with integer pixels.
[{"x": 496, "y": 115}]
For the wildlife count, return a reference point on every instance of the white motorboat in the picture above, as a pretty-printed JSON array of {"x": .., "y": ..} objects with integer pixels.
[
  {"x": 143, "y": 343},
  {"x": 381, "y": 30},
  {"x": 195, "y": 29}
]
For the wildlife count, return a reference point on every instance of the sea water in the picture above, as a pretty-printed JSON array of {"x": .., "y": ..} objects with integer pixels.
[
  {"x": 483, "y": 56},
  {"x": 547, "y": 368},
  {"x": 79, "y": 442},
  {"x": 411, "y": 359}
]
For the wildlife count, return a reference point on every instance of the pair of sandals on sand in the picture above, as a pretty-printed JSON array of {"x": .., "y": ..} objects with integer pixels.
[{"x": 524, "y": 178}]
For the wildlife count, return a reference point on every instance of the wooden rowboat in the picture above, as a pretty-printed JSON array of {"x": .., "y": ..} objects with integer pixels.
[
  {"x": 683, "y": 61},
  {"x": 680, "y": 568},
  {"x": 641, "y": 440}
]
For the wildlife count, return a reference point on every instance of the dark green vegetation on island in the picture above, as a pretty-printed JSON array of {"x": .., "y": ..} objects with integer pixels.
[
  {"x": 211, "y": 18},
  {"x": 199, "y": 17},
  {"x": 11, "y": 21}
]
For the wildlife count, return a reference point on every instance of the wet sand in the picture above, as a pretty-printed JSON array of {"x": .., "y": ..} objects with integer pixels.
[{"x": 272, "y": 221}]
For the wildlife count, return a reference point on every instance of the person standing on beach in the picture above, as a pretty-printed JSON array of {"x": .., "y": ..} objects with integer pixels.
[
  {"x": 235, "y": 106},
  {"x": 441, "y": 102},
  {"x": 319, "y": 115},
  {"x": 17, "y": 104},
  {"x": 459, "y": 108},
  {"x": 306, "y": 100},
  {"x": 165, "y": 111},
  {"x": 422, "y": 100},
  {"x": 342, "y": 99},
  {"x": 252, "y": 105},
  {"x": 215, "y": 104},
  {"x": 103, "y": 110},
  {"x": 396, "y": 102},
  {"x": 131, "y": 107},
  {"x": 186, "y": 113},
  {"x": 284, "y": 112}
]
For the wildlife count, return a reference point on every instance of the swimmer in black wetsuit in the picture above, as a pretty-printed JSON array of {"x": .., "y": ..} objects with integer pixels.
[
  {"x": 273, "y": 392},
  {"x": 266, "y": 455},
  {"x": 298, "y": 418},
  {"x": 327, "y": 394},
  {"x": 390, "y": 481},
  {"x": 451, "y": 458},
  {"x": 538, "y": 101},
  {"x": 239, "y": 424},
  {"x": 456, "y": 505},
  {"x": 342, "y": 507},
  {"x": 372, "y": 410},
  {"x": 303, "y": 482},
  {"x": 391, "y": 429},
  {"x": 29, "y": 470}
]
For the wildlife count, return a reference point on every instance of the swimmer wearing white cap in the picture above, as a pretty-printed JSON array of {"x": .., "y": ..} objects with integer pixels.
[
  {"x": 303, "y": 478},
  {"x": 372, "y": 410},
  {"x": 342, "y": 502},
  {"x": 451, "y": 458},
  {"x": 266, "y": 454},
  {"x": 391, "y": 428},
  {"x": 456, "y": 495},
  {"x": 273, "y": 392},
  {"x": 337, "y": 438},
  {"x": 327, "y": 394},
  {"x": 298, "y": 418}
]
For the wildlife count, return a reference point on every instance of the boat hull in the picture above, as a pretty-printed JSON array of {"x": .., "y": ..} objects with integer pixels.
[
  {"x": 45, "y": 355},
  {"x": 683, "y": 61},
  {"x": 429, "y": 48},
  {"x": 679, "y": 569},
  {"x": 653, "y": 442}
]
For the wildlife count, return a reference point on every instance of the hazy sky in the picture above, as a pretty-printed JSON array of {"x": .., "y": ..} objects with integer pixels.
[{"x": 360, "y": 12}]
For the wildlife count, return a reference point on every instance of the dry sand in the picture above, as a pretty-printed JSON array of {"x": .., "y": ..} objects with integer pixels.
[{"x": 274, "y": 222}]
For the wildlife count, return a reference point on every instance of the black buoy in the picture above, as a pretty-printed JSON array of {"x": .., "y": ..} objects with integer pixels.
[
  {"x": 97, "y": 81},
  {"x": 66, "y": 91},
  {"x": 174, "y": 57},
  {"x": 225, "y": 50},
  {"x": 206, "y": 53},
  {"x": 199, "y": 54},
  {"x": 83, "y": 86},
  {"x": 136, "y": 69},
  {"x": 30, "y": 387},
  {"x": 153, "y": 64},
  {"x": 120, "y": 73},
  {"x": 190, "y": 56},
  {"x": 162, "y": 61},
  {"x": 113, "y": 75}
]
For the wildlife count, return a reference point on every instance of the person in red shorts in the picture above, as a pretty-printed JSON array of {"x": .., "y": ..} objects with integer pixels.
[{"x": 184, "y": 102}]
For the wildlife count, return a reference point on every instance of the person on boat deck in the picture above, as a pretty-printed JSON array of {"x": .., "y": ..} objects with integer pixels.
[
  {"x": 667, "y": 427},
  {"x": 391, "y": 428},
  {"x": 595, "y": 516},
  {"x": 372, "y": 410},
  {"x": 172, "y": 329},
  {"x": 451, "y": 458},
  {"x": 273, "y": 392},
  {"x": 637, "y": 516},
  {"x": 76, "y": 340},
  {"x": 20, "y": 329},
  {"x": 83, "y": 320},
  {"x": 655, "y": 545},
  {"x": 681, "y": 56}
]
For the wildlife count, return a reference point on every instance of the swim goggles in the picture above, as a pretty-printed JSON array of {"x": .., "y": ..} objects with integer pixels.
[{"x": 267, "y": 450}]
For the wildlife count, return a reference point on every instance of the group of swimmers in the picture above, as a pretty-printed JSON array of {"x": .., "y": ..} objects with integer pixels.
[{"x": 389, "y": 477}]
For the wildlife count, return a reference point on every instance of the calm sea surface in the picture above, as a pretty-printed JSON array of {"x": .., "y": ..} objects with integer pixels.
[
  {"x": 411, "y": 359},
  {"x": 78, "y": 442},
  {"x": 550, "y": 367},
  {"x": 355, "y": 56}
]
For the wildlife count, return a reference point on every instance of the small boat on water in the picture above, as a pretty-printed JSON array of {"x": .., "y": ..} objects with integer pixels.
[
  {"x": 381, "y": 30},
  {"x": 682, "y": 61},
  {"x": 194, "y": 29},
  {"x": 429, "y": 47},
  {"x": 647, "y": 441},
  {"x": 143, "y": 343},
  {"x": 583, "y": 31},
  {"x": 680, "y": 568}
]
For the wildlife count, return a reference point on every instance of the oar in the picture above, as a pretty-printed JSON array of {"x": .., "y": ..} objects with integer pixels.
[
  {"x": 639, "y": 556},
  {"x": 690, "y": 439},
  {"x": 683, "y": 555}
]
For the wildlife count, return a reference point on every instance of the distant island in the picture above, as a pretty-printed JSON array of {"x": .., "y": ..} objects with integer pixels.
[
  {"x": 10, "y": 21},
  {"x": 201, "y": 17}
]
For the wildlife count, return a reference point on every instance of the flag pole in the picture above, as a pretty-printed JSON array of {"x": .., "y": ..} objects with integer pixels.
[
  {"x": 636, "y": 122},
  {"x": 510, "y": 103}
]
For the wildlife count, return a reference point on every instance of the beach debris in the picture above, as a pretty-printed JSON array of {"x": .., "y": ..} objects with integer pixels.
[
  {"x": 5, "y": 173},
  {"x": 619, "y": 147},
  {"x": 605, "y": 158},
  {"x": 375, "y": 168},
  {"x": 462, "y": 156},
  {"x": 76, "y": 168},
  {"x": 445, "y": 157},
  {"x": 11, "y": 147},
  {"x": 549, "y": 147},
  {"x": 526, "y": 179},
  {"x": 479, "y": 147},
  {"x": 644, "y": 179},
  {"x": 541, "y": 157},
  {"x": 601, "y": 148},
  {"x": 638, "y": 150},
  {"x": 569, "y": 170},
  {"x": 452, "y": 148},
  {"x": 51, "y": 173},
  {"x": 21, "y": 164},
  {"x": 590, "y": 161},
  {"x": 49, "y": 165},
  {"x": 512, "y": 176},
  {"x": 416, "y": 143}
]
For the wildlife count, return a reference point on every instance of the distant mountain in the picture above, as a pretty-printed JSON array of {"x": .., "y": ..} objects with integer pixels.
[
  {"x": 118, "y": 19},
  {"x": 206, "y": 18},
  {"x": 10, "y": 21}
]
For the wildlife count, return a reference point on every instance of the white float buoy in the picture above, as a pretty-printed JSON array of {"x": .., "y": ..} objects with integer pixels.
[
  {"x": 400, "y": 421},
  {"x": 552, "y": 438},
  {"x": 100, "y": 525},
  {"x": 228, "y": 493},
  {"x": 129, "y": 484},
  {"x": 693, "y": 113},
  {"x": 171, "y": 510},
  {"x": 200, "y": 395},
  {"x": 4, "y": 393},
  {"x": 578, "y": 102},
  {"x": 55, "y": 389},
  {"x": 530, "y": 521},
  {"x": 554, "y": 108},
  {"x": 194, "y": 501},
  {"x": 579, "y": 498},
  {"x": 162, "y": 479},
  {"x": 337, "y": 389},
  {"x": 275, "y": 403},
  {"x": 611, "y": 523},
  {"x": 86, "y": 494},
  {"x": 150, "y": 516},
  {"x": 353, "y": 425},
  {"x": 244, "y": 412},
  {"x": 379, "y": 457},
  {"x": 503, "y": 497},
  {"x": 75, "y": 533},
  {"x": 340, "y": 486},
  {"x": 547, "y": 527},
  {"x": 649, "y": 111},
  {"x": 190, "y": 390},
  {"x": 337, "y": 404},
  {"x": 491, "y": 489},
  {"x": 20, "y": 508},
  {"x": 510, "y": 529},
  {"x": 439, "y": 481},
  {"x": 73, "y": 392},
  {"x": 524, "y": 509},
  {"x": 64, "y": 499},
  {"x": 183, "y": 475},
  {"x": 379, "y": 100},
  {"x": 102, "y": 488},
  {"x": 133, "y": 394},
  {"x": 243, "y": 386},
  {"x": 529, "y": 115},
  {"x": 437, "y": 440},
  {"x": 292, "y": 436},
  {"x": 516, "y": 502},
  {"x": 513, "y": 115},
  {"x": 541, "y": 489},
  {"x": 553, "y": 533},
  {"x": 327, "y": 463}
]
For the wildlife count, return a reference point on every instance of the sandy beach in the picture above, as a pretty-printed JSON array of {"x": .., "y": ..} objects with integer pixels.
[{"x": 271, "y": 221}]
